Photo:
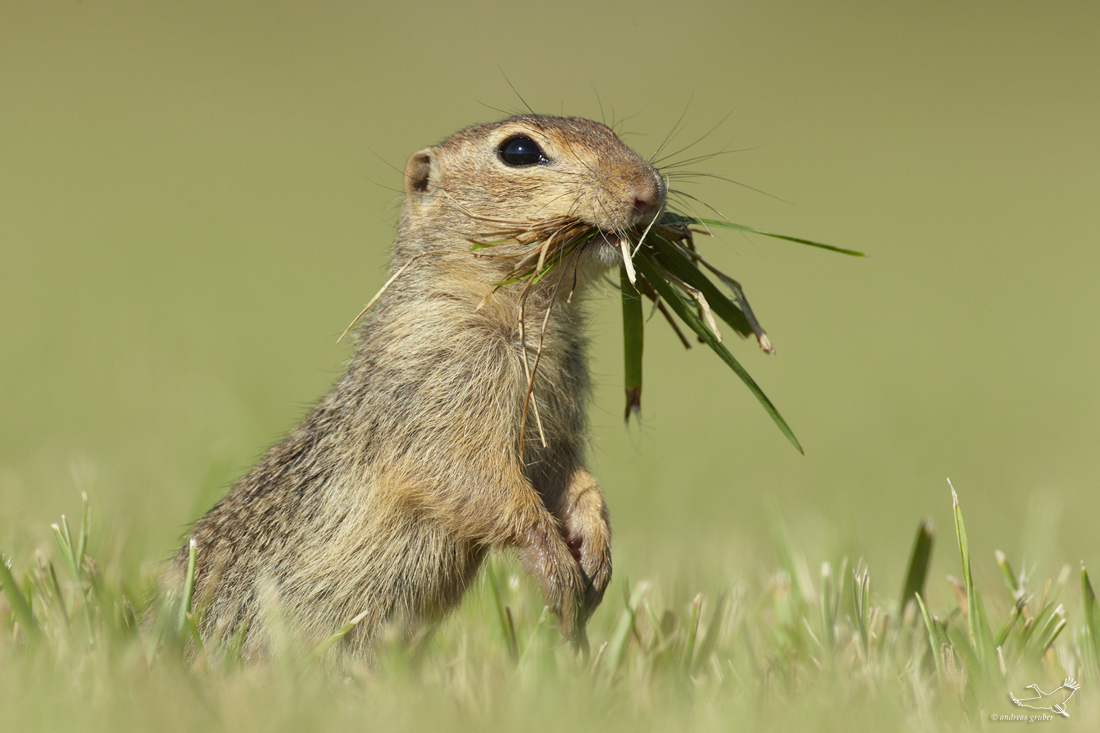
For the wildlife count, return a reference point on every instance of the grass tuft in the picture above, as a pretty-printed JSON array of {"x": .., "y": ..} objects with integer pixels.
[{"x": 788, "y": 652}]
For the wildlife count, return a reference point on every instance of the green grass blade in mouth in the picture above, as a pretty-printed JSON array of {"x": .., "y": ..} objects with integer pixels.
[
  {"x": 633, "y": 339},
  {"x": 680, "y": 265},
  {"x": 688, "y": 316},
  {"x": 680, "y": 219}
]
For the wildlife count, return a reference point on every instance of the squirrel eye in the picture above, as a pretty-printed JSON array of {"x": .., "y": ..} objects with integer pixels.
[{"x": 521, "y": 151}]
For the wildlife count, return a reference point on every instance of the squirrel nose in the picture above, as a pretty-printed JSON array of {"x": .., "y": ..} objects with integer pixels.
[{"x": 647, "y": 199}]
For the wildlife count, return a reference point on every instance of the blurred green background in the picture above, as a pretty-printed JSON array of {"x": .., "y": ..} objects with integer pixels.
[{"x": 196, "y": 198}]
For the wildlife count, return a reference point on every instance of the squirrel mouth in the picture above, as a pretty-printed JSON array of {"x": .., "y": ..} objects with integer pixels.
[
  {"x": 531, "y": 248},
  {"x": 609, "y": 249},
  {"x": 604, "y": 238}
]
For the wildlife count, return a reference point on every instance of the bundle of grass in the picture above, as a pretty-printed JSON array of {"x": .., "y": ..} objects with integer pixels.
[{"x": 659, "y": 261}]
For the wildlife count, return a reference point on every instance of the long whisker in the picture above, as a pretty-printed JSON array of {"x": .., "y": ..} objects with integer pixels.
[
  {"x": 671, "y": 134},
  {"x": 696, "y": 174},
  {"x": 704, "y": 157},
  {"x": 656, "y": 161}
]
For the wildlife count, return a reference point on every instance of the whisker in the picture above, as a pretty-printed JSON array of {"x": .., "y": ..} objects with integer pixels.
[
  {"x": 697, "y": 174},
  {"x": 656, "y": 161},
  {"x": 671, "y": 134}
]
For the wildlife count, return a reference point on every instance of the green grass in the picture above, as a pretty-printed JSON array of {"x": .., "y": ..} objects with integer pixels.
[
  {"x": 659, "y": 261},
  {"x": 663, "y": 264},
  {"x": 796, "y": 649}
]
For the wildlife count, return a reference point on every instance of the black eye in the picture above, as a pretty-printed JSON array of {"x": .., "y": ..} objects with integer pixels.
[{"x": 521, "y": 151}]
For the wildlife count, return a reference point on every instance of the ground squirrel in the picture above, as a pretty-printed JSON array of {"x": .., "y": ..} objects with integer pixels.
[{"x": 383, "y": 503}]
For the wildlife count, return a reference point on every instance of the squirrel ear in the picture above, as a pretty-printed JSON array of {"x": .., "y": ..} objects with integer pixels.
[{"x": 418, "y": 172}]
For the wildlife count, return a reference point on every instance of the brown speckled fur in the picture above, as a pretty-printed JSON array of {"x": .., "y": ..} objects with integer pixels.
[{"x": 387, "y": 497}]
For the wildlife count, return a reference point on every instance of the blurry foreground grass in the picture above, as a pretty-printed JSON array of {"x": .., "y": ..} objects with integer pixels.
[{"x": 825, "y": 650}]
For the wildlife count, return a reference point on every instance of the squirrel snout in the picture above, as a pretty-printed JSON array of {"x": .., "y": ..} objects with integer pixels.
[{"x": 647, "y": 199}]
